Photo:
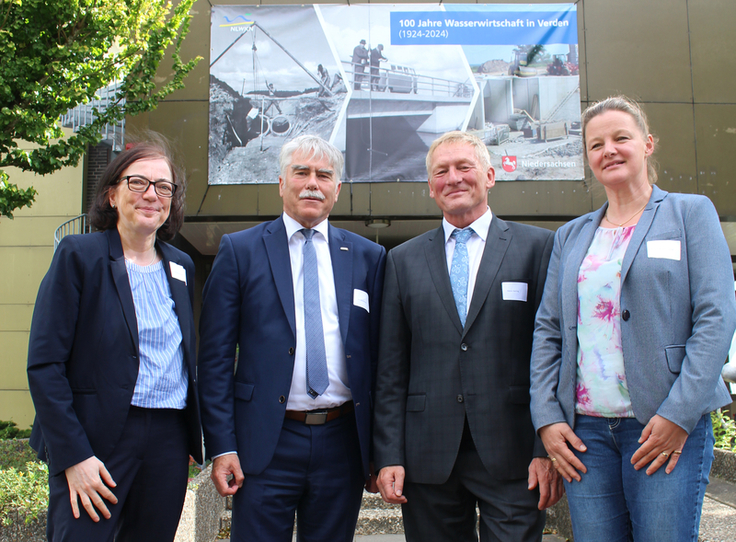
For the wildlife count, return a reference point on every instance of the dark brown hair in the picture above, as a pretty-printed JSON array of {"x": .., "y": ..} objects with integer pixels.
[{"x": 103, "y": 217}]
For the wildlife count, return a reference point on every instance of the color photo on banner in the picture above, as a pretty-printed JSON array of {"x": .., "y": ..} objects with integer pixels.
[{"x": 383, "y": 81}]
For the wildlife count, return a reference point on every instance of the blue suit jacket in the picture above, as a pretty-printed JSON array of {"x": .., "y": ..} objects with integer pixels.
[
  {"x": 249, "y": 303},
  {"x": 83, "y": 349},
  {"x": 678, "y": 315}
]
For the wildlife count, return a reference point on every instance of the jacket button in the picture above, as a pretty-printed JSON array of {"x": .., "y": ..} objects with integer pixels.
[
  {"x": 291, "y": 351},
  {"x": 464, "y": 347},
  {"x": 282, "y": 399},
  {"x": 460, "y": 399},
  {"x": 626, "y": 315}
]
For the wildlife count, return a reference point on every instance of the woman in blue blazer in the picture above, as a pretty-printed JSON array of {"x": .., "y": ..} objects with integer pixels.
[
  {"x": 111, "y": 362},
  {"x": 633, "y": 329}
]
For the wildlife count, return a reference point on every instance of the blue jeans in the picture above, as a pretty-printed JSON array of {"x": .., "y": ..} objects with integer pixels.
[{"x": 615, "y": 503}]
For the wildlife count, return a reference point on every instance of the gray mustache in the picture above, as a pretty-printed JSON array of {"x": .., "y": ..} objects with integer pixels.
[{"x": 312, "y": 194}]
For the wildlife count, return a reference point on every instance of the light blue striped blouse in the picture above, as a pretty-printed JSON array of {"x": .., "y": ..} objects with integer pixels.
[{"x": 162, "y": 375}]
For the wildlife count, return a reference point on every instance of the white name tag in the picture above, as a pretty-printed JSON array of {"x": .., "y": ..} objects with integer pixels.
[
  {"x": 514, "y": 291},
  {"x": 668, "y": 250},
  {"x": 178, "y": 272},
  {"x": 360, "y": 299}
]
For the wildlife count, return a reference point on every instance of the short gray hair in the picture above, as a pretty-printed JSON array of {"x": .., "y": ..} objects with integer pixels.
[
  {"x": 311, "y": 146},
  {"x": 481, "y": 151}
]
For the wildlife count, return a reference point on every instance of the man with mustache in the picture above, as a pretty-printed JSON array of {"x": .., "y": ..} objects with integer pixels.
[{"x": 288, "y": 423}]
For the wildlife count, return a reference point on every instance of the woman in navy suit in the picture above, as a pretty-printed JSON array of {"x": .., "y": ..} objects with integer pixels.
[
  {"x": 634, "y": 325},
  {"x": 111, "y": 362}
]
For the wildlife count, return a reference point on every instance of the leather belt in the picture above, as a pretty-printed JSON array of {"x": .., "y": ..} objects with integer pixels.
[{"x": 320, "y": 417}]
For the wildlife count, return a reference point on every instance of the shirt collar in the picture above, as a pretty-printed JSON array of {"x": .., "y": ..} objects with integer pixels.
[
  {"x": 480, "y": 226},
  {"x": 292, "y": 227}
]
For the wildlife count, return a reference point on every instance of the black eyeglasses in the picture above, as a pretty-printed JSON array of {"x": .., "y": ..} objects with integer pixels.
[{"x": 137, "y": 183}]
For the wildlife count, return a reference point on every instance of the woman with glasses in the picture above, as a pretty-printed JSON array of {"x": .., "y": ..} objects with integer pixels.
[{"x": 111, "y": 362}]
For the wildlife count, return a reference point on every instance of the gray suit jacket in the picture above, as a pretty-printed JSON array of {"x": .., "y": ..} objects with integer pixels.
[
  {"x": 432, "y": 372},
  {"x": 677, "y": 315}
]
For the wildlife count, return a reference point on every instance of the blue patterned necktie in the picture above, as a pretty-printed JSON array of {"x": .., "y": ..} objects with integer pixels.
[
  {"x": 317, "y": 380},
  {"x": 459, "y": 271}
]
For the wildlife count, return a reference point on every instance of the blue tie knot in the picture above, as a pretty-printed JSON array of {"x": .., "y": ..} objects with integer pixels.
[
  {"x": 462, "y": 236},
  {"x": 307, "y": 233}
]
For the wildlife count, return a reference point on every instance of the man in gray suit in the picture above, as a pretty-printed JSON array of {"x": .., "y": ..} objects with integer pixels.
[{"x": 452, "y": 421}]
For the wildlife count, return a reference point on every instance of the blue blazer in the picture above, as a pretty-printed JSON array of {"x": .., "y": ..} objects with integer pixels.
[
  {"x": 678, "y": 314},
  {"x": 83, "y": 349},
  {"x": 249, "y": 303}
]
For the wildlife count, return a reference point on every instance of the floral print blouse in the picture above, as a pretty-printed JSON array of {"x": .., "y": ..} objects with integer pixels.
[{"x": 601, "y": 379}]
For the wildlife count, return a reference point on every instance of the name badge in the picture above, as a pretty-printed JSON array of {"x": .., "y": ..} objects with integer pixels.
[
  {"x": 178, "y": 272},
  {"x": 360, "y": 299},
  {"x": 514, "y": 291},
  {"x": 666, "y": 249}
]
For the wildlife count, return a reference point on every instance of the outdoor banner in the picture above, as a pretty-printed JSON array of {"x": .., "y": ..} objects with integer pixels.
[{"x": 382, "y": 81}]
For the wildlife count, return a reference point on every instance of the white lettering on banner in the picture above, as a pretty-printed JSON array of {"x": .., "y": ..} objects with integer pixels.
[
  {"x": 537, "y": 163},
  {"x": 556, "y": 22},
  {"x": 488, "y": 22}
]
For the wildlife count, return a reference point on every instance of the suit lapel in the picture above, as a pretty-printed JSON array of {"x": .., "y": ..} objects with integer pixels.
[
  {"x": 277, "y": 249},
  {"x": 180, "y": 295},
  {"x": 341, "y": 253},
  {"x": 497, "y": 243},
  {"x": 122, "y": 284},
  {"x": 437, "y": 263},
  {"x": 642, "y": 228}
]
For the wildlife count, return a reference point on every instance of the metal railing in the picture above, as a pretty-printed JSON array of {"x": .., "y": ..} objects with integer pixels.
[
  {"x": 74, "y": 226},
  {"x": 400, "y": 81}
]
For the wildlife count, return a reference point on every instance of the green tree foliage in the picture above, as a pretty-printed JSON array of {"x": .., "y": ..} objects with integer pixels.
[{"x": 58, "y": 54}]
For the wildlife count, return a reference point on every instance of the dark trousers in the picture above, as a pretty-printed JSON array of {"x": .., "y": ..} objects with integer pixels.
[
  {"x": 447, "y": 512},
  {"x": 150, "y": 465},
  {"x": 316, "y": 473},
  {"x": 359, "y": 70}
]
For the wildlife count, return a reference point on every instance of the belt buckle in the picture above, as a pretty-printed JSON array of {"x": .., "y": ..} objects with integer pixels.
[{"x": 316, "y": 418}]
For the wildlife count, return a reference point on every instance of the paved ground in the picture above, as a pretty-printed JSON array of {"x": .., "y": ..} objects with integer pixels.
[{"x": 400, "y": 538}]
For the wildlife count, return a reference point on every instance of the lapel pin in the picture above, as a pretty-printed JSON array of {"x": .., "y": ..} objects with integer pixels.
[{"x": 344, "y": 248}]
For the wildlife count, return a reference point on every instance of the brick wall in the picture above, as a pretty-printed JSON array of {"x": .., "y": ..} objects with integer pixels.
[{"x": 98, "y": 157}]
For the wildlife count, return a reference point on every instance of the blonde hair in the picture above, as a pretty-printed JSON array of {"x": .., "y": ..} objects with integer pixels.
[
  {"x": 633, "y": 109},
  {"x": 481, "y": 151}
]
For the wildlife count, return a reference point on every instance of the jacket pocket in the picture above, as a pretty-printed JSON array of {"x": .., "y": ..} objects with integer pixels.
[
  {"x": 243, "y": 391},
  {"x": 665, "y": 235},
  {"x": 415, "y": 403},
  {"x": 674, "y": 354}
]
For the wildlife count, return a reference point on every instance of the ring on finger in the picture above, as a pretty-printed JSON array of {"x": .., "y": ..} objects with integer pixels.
[
  {"x": 676, "y": 452},
  {"x": 665, "y": 454},
  {"x": 553, "y": 459}
]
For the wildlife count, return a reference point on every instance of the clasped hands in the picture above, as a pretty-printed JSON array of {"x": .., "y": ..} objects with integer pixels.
[{"x": 661, "y": 442}]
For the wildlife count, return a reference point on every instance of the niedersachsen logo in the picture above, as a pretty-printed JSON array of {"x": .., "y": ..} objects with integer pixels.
[
  {"x": 544, "y": 163},
  {"x": 237, "y": 23}
]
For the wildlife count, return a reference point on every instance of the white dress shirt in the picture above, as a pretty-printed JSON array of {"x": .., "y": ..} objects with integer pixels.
[
  {"x": 338, "y": 390},
  {"x": 476, "y": 244}
]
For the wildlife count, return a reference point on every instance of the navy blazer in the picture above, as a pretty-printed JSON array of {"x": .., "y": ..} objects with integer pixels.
[
  {"x": 249, "y": 303},
  {"x": 83, "y": 349},
  {"x": 678, "y": 314}
]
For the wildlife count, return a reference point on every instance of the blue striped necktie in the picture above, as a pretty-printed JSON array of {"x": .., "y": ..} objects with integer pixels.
[{"x": 317, "y": 380}]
